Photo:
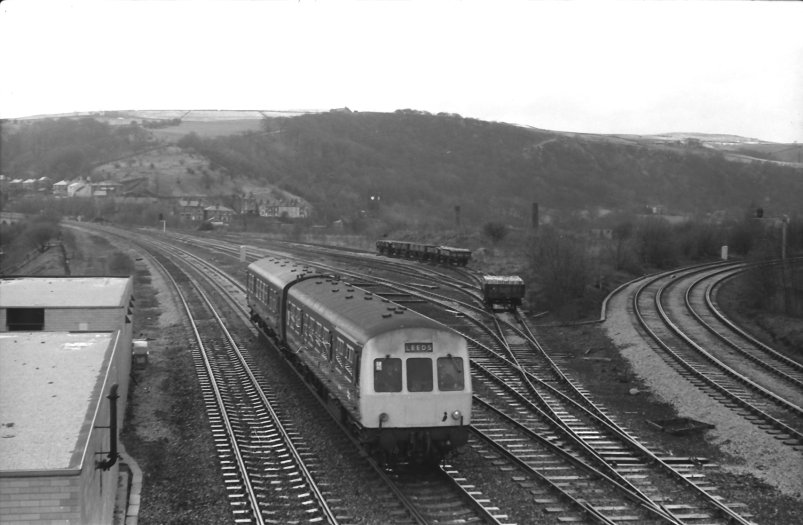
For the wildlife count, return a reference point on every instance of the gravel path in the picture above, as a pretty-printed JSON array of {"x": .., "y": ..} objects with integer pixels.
[{"x": 751, "y": 450}]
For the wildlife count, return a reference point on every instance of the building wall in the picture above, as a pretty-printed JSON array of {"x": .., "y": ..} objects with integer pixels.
[
  {"x": 79, "y": 319},
  {"x": 98, "y": 487},
  {"x": 40, "y": 499}
]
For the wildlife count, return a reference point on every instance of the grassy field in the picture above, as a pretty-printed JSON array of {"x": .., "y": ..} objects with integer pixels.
[{"x": 211, "y": 128}]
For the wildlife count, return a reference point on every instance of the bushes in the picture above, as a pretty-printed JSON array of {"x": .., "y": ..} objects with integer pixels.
[
  {"x": 121, "y": 264},
  {"x": 562, "y": 264}
]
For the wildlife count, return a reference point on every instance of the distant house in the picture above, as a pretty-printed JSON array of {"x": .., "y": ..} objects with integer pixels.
[
  {"x": 60, "y": 188},
  {"x": 218, "y": 213},
  {"x": 29, "y": 185},
  {"x": 191, "y": 209},
  {"x": 44, "y": 184},
  {"x": 289, "y": 209},
  {"x": 79, "y": 188},
  {"x": 654, "y": 209}
]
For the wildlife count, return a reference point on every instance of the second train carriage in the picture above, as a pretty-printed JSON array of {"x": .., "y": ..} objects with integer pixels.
[{"x": 401, "y": 380}]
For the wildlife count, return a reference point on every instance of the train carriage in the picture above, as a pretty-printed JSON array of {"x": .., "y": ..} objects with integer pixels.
[
  {"x": 451, "y": 255},
  {"x": 399, "y": 379}
]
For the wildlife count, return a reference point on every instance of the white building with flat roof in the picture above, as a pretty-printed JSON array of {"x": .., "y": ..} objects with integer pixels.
[
  {"x": 88, "y": 304},
  {"x": 65, "y": 364}
]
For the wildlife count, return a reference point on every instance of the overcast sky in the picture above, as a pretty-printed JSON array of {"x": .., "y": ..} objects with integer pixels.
[{"x": 597, "y": 66}]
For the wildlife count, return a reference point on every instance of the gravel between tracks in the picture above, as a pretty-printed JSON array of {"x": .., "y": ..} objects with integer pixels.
[{"x": 752, "y": 450}]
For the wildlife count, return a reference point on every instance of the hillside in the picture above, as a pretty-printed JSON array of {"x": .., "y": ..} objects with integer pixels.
[{"x": 420, "y": 166}]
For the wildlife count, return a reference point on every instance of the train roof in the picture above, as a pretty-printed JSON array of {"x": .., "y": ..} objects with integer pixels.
[
  {"x": 282, "y": 272},
  {"x": 358, "y": 313}
]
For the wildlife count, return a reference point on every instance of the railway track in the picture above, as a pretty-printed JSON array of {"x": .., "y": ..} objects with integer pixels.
[
  {"x": 264, "y": 469},
  {"x": 609, "y": 455},
  {"x": 413, "y": 499},
  {"x": 787, "y": 374},
  {"x": 608, "y": 461},
  {"x": 522, "y": 376},
  {"x": 706, "y": 354},
  {"x": 618, "y": 456}
]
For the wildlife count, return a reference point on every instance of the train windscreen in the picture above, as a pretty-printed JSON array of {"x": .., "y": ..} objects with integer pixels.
[
  {"x": 450, "y": 373},
  {"x": 419, "y": 374},
  {"x": 387, "y": 374}
]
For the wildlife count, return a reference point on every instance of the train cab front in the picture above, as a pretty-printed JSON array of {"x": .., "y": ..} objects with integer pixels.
[{"x": 416, "y": 400}]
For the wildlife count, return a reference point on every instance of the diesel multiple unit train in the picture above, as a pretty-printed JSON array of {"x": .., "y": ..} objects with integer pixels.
[
  {"x": 400, "y": 381},
  {"x": 424, "y": 252}
]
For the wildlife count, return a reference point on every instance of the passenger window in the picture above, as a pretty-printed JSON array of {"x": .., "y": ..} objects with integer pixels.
[
  {"x": 450, "y": 373},
  {"x": 356, "y": 368},
  {"x": 419, "y": 374},
  {"x": 387, "y": 375}
]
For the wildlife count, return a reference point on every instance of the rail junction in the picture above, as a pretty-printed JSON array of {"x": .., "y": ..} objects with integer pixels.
[{"x": 571, "y": 459}]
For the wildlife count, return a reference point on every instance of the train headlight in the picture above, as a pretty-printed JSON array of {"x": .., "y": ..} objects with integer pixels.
[
  {"x": 383, "y": 418},
  {"x": 456, "y": 415}
]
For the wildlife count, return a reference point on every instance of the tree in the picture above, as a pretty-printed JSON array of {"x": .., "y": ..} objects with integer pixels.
[
  {"x": 655, "y": 244},
  {"x": 495, "y": 231},
  {"x": 40, "y": 234},
  {"x": 622, "y": 233},
  {"x": 562, "y": 264}
]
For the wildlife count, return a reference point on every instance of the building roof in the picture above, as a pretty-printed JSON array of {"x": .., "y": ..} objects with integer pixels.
[
  {"x": 63, "y": 292},
  {"x": 219, "y": 207},
  {"x": 46, "y": 381}
]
